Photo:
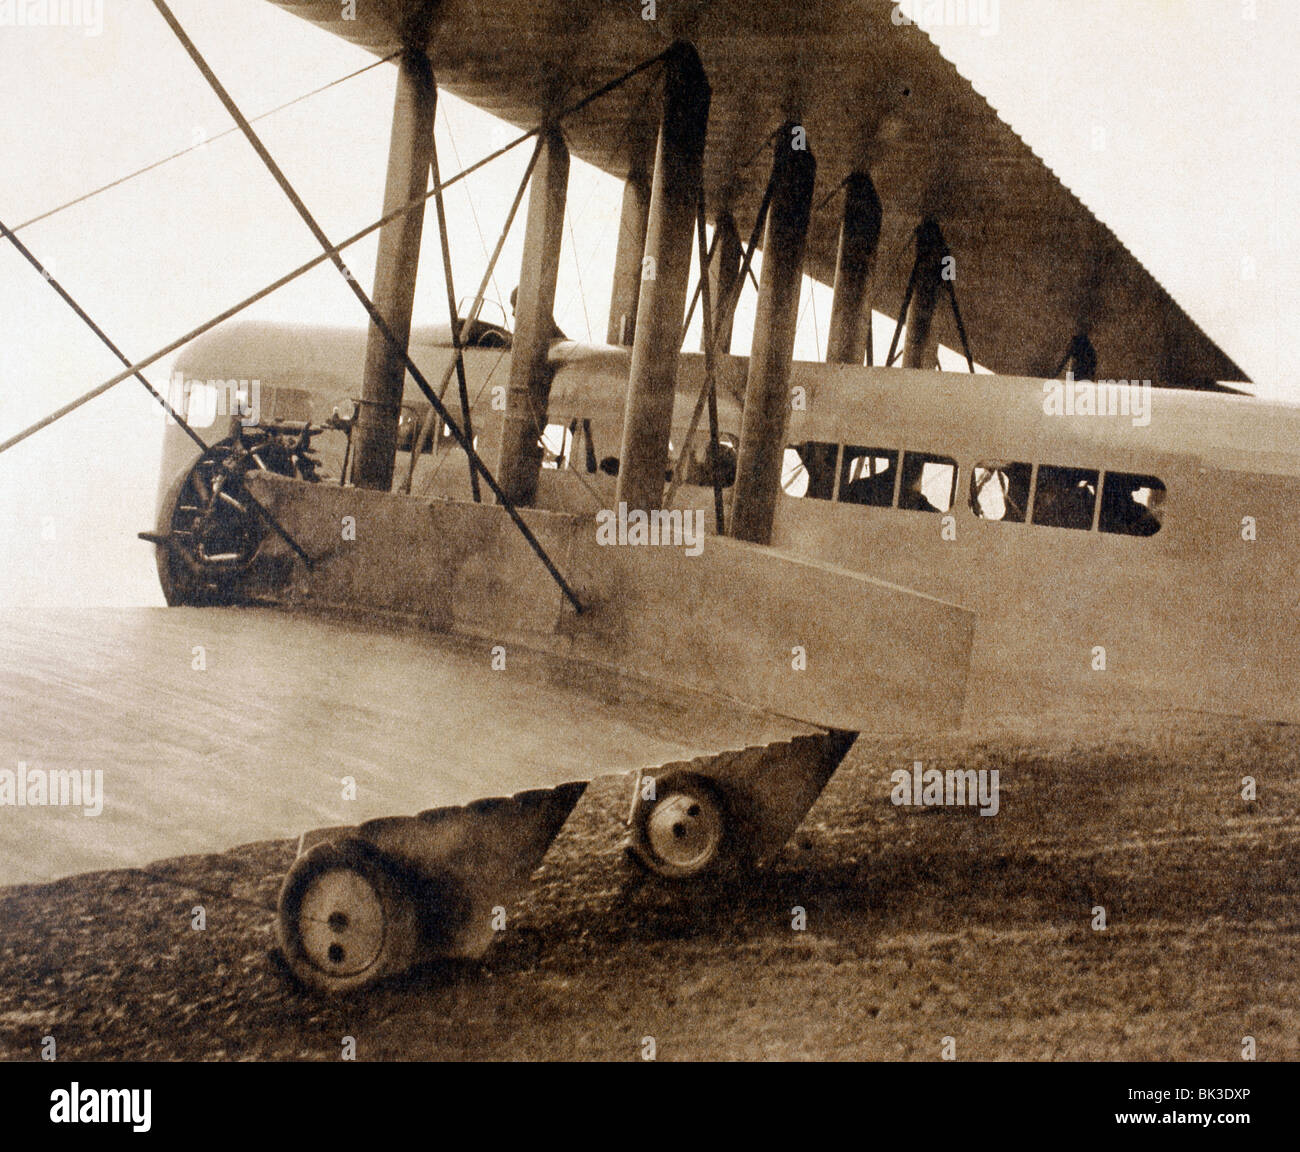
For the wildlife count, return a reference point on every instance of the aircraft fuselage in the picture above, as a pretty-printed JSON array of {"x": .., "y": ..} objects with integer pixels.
[{"x": 1129, "y": 558}]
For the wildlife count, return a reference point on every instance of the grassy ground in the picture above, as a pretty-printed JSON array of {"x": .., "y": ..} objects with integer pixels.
[{"x": 921, "y": 924}]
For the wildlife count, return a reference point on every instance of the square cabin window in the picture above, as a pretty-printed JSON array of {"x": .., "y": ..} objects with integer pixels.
[
  {"x": 929, "y": 482},
  {"x": 557, "y": 441},
  {"x": 999, "y": 490},
  {"x": 867, "y": 476},
  {"x": 1065, "y": 497},
  {"x": 809, "y": 470},
  {"x": 1131, "y": 504}
]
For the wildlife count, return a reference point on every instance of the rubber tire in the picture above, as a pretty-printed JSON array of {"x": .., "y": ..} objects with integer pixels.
[
  {"x": 726, "y": 858},
  {"x": 401, "y": 923}
]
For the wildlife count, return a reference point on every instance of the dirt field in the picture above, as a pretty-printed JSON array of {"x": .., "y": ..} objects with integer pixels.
[{"x": 921, "y": 924}]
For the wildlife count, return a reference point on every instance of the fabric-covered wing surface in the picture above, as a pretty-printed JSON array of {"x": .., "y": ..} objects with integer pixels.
[
  {"x": 1036, "y": 265},
  {"x": 256, "y": 743}
]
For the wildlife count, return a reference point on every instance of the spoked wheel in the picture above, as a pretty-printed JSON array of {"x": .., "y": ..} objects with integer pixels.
[
  {"x": 214, "y": 531},
  {"x": 685, "y": 832},
  {"x": 346, "y": 919}
]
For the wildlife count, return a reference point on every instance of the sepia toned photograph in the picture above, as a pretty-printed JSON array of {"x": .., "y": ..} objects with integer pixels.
[{"x": 649, "y": 531}]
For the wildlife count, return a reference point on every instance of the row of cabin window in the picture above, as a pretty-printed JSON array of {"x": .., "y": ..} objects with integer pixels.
[
  {"x": 1063, "y": 497},
  {"x": 1000, "y": 490},
  {"x": 560, "y": 450},
  {"x": 560, "y": 444}
]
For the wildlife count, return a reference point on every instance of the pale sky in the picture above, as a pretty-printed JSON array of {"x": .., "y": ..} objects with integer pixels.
[{"x": 1197, "y": 98}]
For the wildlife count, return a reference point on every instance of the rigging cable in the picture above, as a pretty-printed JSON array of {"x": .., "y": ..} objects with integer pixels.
[
  {"x": 482, "y": 241},
  {"x": 577, "y": 268},
  {"x": 376, "y": 317},
  {"x": 309, "y": 265},
  {"x": 103, "y": 337},
  {"x": 184, "y": 151}
]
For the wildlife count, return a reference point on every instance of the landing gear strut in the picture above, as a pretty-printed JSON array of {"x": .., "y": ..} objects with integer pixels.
[{"x": 729, "y": 812}]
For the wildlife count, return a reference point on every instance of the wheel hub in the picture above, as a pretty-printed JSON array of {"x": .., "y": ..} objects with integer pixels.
[
  {"x": 684, "y": 830},
  {"x": 342, "y": 923}
]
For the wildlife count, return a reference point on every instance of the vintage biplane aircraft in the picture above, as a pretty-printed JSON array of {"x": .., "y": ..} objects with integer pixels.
[{"x": 711, "y": 569}]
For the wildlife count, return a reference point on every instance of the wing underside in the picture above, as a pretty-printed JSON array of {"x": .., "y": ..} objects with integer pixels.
[{"x": 1036, "y": 266}]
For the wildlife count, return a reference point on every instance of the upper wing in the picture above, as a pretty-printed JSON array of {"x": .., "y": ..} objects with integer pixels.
[{"x": 1035, "y": 265}]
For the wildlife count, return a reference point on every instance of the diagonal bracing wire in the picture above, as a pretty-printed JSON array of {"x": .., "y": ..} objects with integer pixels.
[
  {"x": 710, "y": 353},
  {"x": 577, "y": 267},
  {"x": 376, "y": 317},
  {"x": 457, "y": 336},
  {"x": 27, "y": 255},
  {"x": 473, "y": 314},
  {"x": 315, "y": 262},
  {"x": 455, "y": 152},
  {"x": 714, "y": 321},
  {"x": 185, "y": 151}
]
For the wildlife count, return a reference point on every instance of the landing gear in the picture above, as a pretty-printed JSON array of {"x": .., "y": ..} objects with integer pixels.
[
  {"x": 730, "y": 812},
  {"x": 685, "y": 832},
  {"x": 378, "y": 898},
  {"x": 346, "y": 918}
]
